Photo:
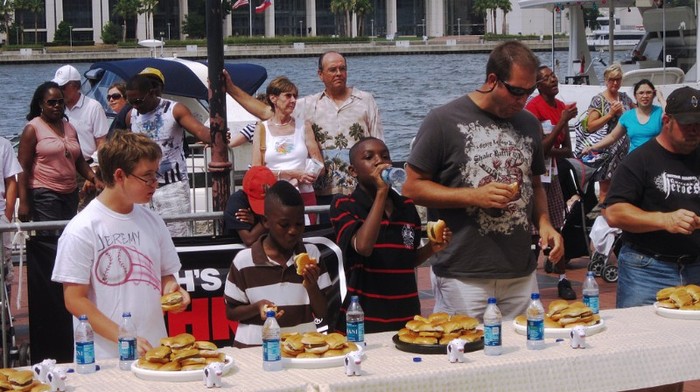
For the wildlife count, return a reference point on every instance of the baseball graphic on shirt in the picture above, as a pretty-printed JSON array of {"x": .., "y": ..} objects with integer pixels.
[{"x": 119, "y": 264}]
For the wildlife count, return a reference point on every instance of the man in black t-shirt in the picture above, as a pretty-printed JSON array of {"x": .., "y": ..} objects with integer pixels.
[{"x": 655, "y": 199}]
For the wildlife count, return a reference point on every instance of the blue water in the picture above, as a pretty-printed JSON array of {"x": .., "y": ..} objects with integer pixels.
[{"x": 405, "y": 87}]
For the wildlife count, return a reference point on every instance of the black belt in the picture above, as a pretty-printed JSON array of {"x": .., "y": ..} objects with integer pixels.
[{"x": 679, "y": 259}]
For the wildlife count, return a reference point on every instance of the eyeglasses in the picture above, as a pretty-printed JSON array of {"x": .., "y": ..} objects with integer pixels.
[
  {"x": 645, "y": 93},
  {"x": 150, "y": 181},
  {"x": 55, "y": 102},
  {"x": 518, "y": 91},
  {"x": 615, "y": 80},
  {"x": 114, "y": 96},
  {"x": 136, "y": 102}
]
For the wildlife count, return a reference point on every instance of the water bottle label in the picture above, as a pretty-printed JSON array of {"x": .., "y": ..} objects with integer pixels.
[
  {"x": 127, "y": 349},
  {"x": 271, "y": 350},
  {"x": 356, "y": 331},
  {"x": 593, "y": 302},
  {"x": 84, "y": 353},
  {"x": 492, "y": 335},
  {"x": 535, "y": 329}
]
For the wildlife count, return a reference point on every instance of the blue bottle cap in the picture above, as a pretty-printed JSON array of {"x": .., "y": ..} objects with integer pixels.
[{"x": 417, "y": 359}]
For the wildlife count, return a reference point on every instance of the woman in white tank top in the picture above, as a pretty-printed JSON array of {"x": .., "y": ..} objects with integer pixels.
[{"x": 284, "y": 144}]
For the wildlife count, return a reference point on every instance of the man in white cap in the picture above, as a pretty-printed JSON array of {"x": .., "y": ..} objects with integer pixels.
[{"x": 87, "y": 115}]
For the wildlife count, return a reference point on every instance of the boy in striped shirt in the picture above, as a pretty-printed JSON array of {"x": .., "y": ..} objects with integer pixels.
[
  {"x": 265, "y": 274},
  {"x": 379, "y": 232}
]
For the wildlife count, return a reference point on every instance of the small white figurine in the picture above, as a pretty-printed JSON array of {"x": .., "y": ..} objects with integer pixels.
[
  {"x": 42, "y": 368},
  {"x": 56, "y": 378},
  {"x": 455, "y": 350},
  {"x": 212, "y": 374},
  {"x": 578, "y": 337},
  {"x": 353, "y": 361}
]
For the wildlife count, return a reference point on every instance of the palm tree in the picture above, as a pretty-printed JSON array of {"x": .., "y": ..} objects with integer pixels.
[
  {"x": 362, "y": 8},
  {"x": 7, "y": 8},
  {"x": 482, "y": 7},
  {"x": 126, "y": 9},
  {"x": 148, "y": 7},
  {"x": 343, "y": 6},
  {"x": 506, "y": 7},
  {"x": 35, "y": 7}
]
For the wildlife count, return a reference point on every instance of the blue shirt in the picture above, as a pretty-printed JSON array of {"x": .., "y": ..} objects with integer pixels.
[{"x": 641, "y": 133}]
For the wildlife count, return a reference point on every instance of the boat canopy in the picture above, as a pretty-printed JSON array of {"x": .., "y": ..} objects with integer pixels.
[
  {"x": 180, "y": 80},
  {"x": 549, "y": 4}
]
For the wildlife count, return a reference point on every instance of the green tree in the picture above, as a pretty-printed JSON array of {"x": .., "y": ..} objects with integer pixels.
[
  {"x": 111, "y": 33},
  {"x": 127, "y": 9},
  {"x": 148, "y": 7},
  {"x": 7, "y": 9},
  {"x": 36, "y": 7},
  {"x": 506, "y": 7},
  {"x": 343, "y": 7},
  {"x": 194, "y": 26},
  {"x": 19, "y": 6},
  {"x": 62, "y": 35},
  {"x": 362, "y": 8},
  {"x": 482, "y": 8}
]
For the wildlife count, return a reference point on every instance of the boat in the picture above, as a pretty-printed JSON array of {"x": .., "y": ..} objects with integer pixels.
[
  {"x": 667, "y": 54},
  {"x": 624, "y": 37},
  {"x": 186, "y": 82}
]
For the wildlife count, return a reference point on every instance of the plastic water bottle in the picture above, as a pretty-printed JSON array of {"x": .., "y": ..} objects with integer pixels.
[
  {"x": 535, "y": 323},
  {"x": 272, "y": 359},
  {"x": 394, "y": 176},
  {"x": 591, "y": 295},
  {"x": 127, "y": 342},
  {"x": 492, "y": 328},
  {"x": 84, "y": 347},
  {"x": 355, "y": 322}
]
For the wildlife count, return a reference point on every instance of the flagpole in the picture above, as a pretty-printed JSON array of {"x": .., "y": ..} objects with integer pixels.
[{"x": 250, "y": 18}]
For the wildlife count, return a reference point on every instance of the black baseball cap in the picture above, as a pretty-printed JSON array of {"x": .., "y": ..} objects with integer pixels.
[{"x": 684, "y": 105}]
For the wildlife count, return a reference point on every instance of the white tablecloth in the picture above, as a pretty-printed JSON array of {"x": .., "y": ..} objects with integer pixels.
[{"x": 637, "y": 349}]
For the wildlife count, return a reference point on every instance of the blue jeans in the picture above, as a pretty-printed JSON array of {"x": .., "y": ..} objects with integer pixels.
[{"x": 641, "y": 276}]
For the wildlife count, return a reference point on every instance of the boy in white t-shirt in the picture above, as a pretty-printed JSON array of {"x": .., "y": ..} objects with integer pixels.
[
  {"x": 116, "y": 255},
  {"x": 8, "y": 197}
]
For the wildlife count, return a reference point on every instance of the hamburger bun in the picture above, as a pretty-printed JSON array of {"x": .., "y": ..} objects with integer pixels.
[
  {"x": 171, "y": 301},
  {"x": 315, "y": 344},
  {"x": 171, "y": 367},
  {"x": 335, "y": 341},
  {"x": 308, "y": 355},
  {"x": 160, "y": 354},
  {"x": 557, "y": 306},
  {"x": 521, "y": 320},
  {"x": 193, "y": 361},
  {"x": 205, "y": 345},
  {"x": 40, "y": 388},
  {"x": 183, "y": 341},
  {"x": 439, "y": 317},
  {"x": 415, "y": 325},
  {"x": 302, "y": 260},
  {"x": 514, "y": 187},
  {"x": 334, "y": 353},
  {"x": 694, "y": 291},
  {"x": 182, "y": 354},
  {"x": 148, "y": 365},
  {"x": 436, "y": 230},
  {"x": 421, "y": 318},
  {"x": 196, "y": 366},
  {"x": 665, "y": 293},
  {"x": 472, "y": 336},
  {"x": 21, "y": 378},
  {"x": 681, "y": 297},
  {"x": 407, "y": 338},
  {"x": 549, "y": 323},
  {"x": 425, "y": 340}
]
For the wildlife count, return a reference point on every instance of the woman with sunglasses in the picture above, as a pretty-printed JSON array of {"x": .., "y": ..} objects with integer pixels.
[
  {"x": 640, "y": 124},
  {"x": 116, "y": 96},
  {"x": 603, "y": 114},
  {"x": 50, "y": 155}
]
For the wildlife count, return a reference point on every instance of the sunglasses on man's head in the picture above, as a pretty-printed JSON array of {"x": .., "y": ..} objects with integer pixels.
[
  {"x": 114, "y": 96},
  {"x": 518, "y": 91}
]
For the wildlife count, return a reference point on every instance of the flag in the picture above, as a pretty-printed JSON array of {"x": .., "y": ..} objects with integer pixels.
[
  {"x": 262, "y": 7},
  {"x": 239, "y": 3}
]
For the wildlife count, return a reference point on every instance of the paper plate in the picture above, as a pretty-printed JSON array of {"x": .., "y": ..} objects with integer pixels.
[
  {"x": 561, "y": 333},
  {"x": 187, "y": 375},
  {"x": 677, "y": 313},
  {"x": 433, "y": 348},
  {"x": 315, "y": 363}
]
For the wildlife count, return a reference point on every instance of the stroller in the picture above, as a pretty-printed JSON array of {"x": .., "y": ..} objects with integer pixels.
[{"x": 576, "y": 180}]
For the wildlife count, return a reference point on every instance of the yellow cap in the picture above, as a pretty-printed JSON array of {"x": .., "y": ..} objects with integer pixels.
[{"x": 150, "y": 71}]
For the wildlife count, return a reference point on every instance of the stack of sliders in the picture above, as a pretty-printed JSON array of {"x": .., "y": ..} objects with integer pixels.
[
  {"x": 440, "y": 328},
  {"x": 561, "y": 314},
  {"x": 315, "y": 345},
  {"x": 21, "y": 381},
  {"x": 680, "y": 297},
  {"x": 181, "y": 353}
]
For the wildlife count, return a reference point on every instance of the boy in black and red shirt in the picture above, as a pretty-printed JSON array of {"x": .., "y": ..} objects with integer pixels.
[{"x": 379, "y": 232}]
